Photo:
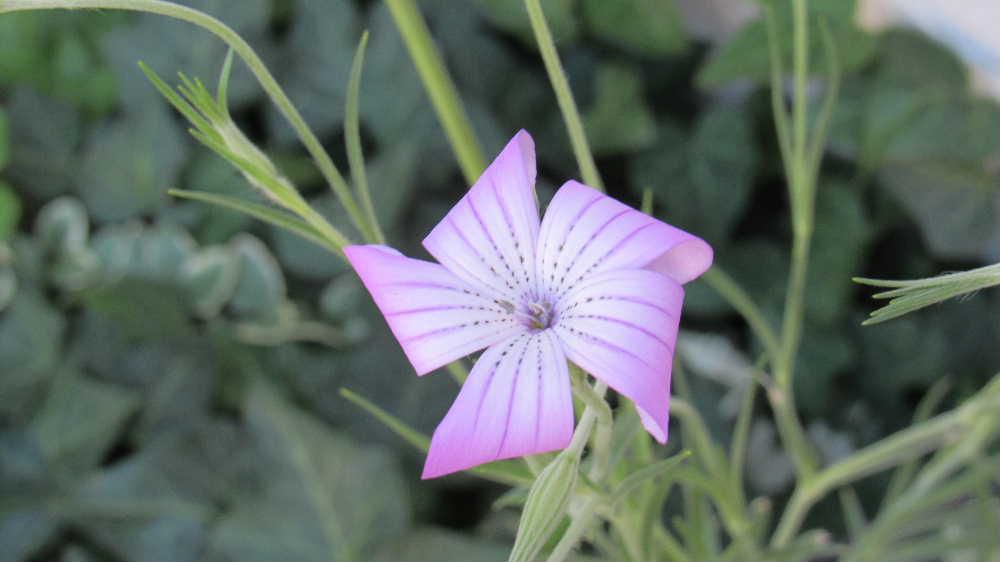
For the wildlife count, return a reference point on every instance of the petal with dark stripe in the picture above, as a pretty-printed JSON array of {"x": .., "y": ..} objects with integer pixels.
[
  {"x": 436, "y": 316},
  {"x": 488, "y": 239},
  {"x": 585, "y": 232},
  {"x": 517, "y": 401},
  {"x": 621, "y": 327}
]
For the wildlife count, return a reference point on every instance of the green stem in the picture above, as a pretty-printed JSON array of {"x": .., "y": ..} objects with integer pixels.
[
  {"x": 591, "y": 415},
  {"x": 925, "y": 409},
  {"x": 782, "y": 127},
  {"x": 575, "y": 531},
  {"x": 742, "y": 303},
  {"x": 582, "y": 518},
  {"x": 439, "y": 86},
  {"x": 241, "y": 48},
  {"x": 352, "y": 138},
  {"x": 800, "y": 106},
  {"x": 894, "y": 450},
  {"x": 564, "y": 95},
  {"x": 792, "y": 432},
  {"x": 801, "y": 189}
]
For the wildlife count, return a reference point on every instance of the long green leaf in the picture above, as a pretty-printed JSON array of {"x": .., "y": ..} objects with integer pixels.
[
  {"x": 505, "y": 472},
  {"x": 352, "y": 137},
  {"x": 262, "y": 212},
  {"x": 925, "y": 409},
  {"x": 646, "y": 473},
  {"x": 564, "y": 95},
  {"x": 440, "y": 87}
]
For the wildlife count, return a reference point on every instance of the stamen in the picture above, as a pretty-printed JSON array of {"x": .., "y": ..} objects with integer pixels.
[
  {"x": 533, "y": 314},
  {"x": 538, "y": 309}
]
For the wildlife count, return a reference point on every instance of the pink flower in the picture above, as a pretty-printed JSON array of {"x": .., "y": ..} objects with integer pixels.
[{"x": 596, "y": 283}]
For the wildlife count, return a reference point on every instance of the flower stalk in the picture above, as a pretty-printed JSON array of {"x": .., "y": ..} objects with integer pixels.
[
  {"x": 242, "y": 49},
  {"x": 440, "y": 87},
  {"x": 564, "y": 95}
]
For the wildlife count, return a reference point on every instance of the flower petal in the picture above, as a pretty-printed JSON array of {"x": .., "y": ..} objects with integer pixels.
[
  {"x": 586, "y": 232},
  {"x": 488, "y": 239},
  {"x": 436, "y": 316},
  {"x": 621, "y": 327},
  {"x": 517, "y": 401}
]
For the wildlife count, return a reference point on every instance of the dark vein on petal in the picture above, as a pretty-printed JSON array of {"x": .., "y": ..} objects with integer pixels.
[
  {"x": 539, "y": 392},
  {"x": 510, "y": 227},
  {"x": 620, "y": 322},
  {"x": 447, "y": 329},
  {"x": 634, "y": 300},
  {"x": 606, "y": 255},
  {"x": 441, "y": 308},
  {"x": 572, "y": 224},
  {"x": 510, "y": 399},
  {"x": 496, "y": 249},
  {"x": 489, "y": 380},
  {"x": 605, "y": 343},
  {"x": 475, "y": 251},
  {"x": 593, "y": 236}
]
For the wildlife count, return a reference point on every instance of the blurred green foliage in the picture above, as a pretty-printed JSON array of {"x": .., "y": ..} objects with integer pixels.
[{"x": 169, "y": 370}]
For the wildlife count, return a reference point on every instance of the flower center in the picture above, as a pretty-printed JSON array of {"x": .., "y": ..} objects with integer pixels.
[{"x": 535, "y": 314}]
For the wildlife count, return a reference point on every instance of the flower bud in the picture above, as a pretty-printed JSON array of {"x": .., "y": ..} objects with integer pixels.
[{"x": 546, "y": 505}]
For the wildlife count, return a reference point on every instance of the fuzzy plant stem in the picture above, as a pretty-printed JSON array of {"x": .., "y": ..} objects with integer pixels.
[
  {"x": 564, "y": 95},
  {"x": 245, "y": 52},
  {"x": 898, "y": 449},
  {"x": 802, "y": 190},
  {"x": 440, "y": 87}
]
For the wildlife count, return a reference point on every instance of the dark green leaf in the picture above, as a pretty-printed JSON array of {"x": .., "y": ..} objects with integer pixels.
[
  {"x": 395, "y": 104},
  {"x": 645, "y": 27},
  {"x": 324, "y": 498},
  {"x": 841, "y": 235},
  {"x": 45, "y": 134},
  {"x": 31, "y": 334},
  {"x": 619, "y": 120},
  {"x": 10, "y": 211},
  {"x": 434, "y": 545},
  {"x": 8, "y": 286},
  {"x": 161, "y": 252},
  {"x": 314, "y": 65},
  {"x": 703, "y": 181},
  {"x": 954, "y": 207},
  {"x": 210, "y": 277},
  {"x": 147, "y": 309},
  {"x": 513, "y": 17},
  {"x": 4, "y": 139},
  {"x": 261, "y": 288},
  {"x": 745, "y": 56},
  {"x": 79, "y": 421},
  {"x": 152, "y": 505},
  {"x": 171, "y": 46},
  {"x": 62, "y": 225},
  {"x": 27, "y": 62},
  {"x": 25, "y": 522},
  {"x": 129, "y": 163},
  {"x": 81, "y": 77}
]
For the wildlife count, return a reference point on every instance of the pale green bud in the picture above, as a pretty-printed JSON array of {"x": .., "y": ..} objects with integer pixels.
[{"x": 546, "y": 505}]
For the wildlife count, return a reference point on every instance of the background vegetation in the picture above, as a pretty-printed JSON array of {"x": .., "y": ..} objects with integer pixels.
[{"x": 170, "y": 372}]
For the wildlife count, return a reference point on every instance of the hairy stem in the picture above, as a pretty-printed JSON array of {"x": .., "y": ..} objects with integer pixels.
[
  {"x": 440, "y": 87},
  {"x": 352, "y": 138},
  {"x": 245, "y": 52},
  {"x": 564, "y": 95},
  {"x": 897, "y": 449},
  {"x": 579, "y": 526},
  {"x": 801, "y": 189},
  {"x": 742, "y": 303}
]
